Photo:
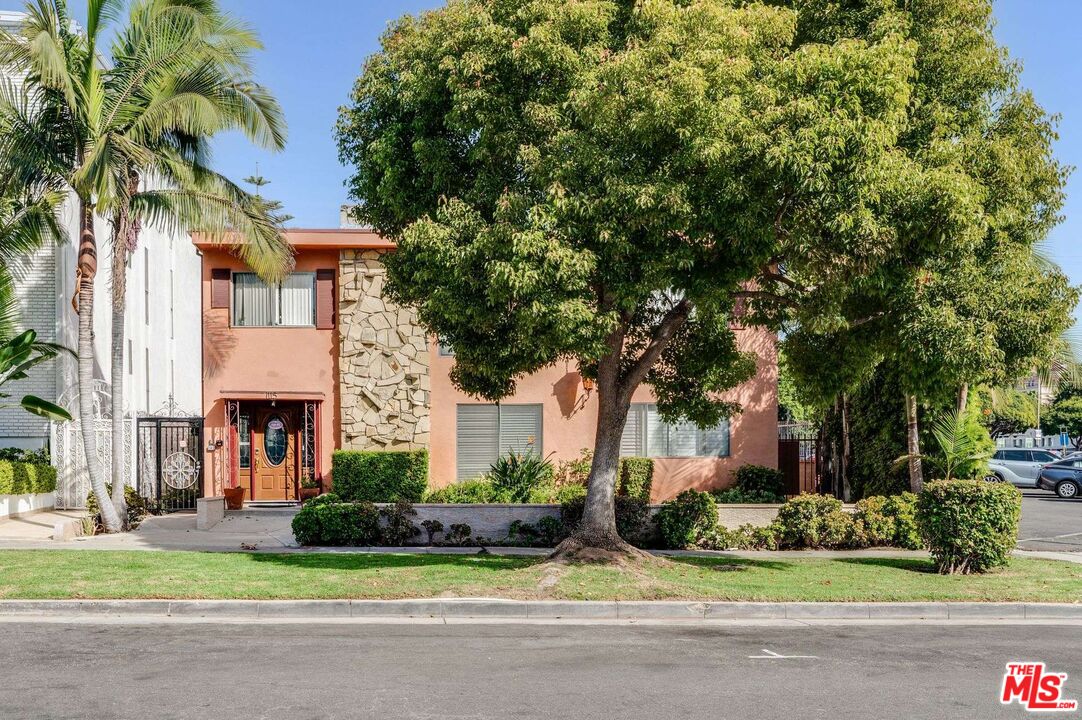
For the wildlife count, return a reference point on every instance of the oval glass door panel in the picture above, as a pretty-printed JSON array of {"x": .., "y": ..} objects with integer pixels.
[{"x": 274, "y": 440}]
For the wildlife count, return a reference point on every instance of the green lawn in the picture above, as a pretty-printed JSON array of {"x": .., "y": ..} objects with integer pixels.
[{"x": 107, "y": 574}]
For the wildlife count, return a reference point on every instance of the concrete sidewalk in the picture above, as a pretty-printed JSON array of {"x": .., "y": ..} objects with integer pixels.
[{"x": 36, "y": 526}]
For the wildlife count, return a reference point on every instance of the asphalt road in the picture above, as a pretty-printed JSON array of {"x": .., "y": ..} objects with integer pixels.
[
  {"x": 1050, "y": 523},
  {"x": 209, "y": 671}
]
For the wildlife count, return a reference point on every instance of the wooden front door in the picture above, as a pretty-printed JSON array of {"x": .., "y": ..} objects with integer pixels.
[{"x": 274, "y": 454}]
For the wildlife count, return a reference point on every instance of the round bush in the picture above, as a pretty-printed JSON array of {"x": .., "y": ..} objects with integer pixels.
[
  {"x": 877, "y": 524},
  {"x": 810, "y": 521},
  {"x": 761, "y": 481},
  {"x": 686, "y": 520},
  {"x": 903, "y": 509},
  {"x": 343, "y": 524},
  {"x": 970, "y": 525}
]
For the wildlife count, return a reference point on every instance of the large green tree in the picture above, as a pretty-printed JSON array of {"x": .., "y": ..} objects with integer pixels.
[
  {"x": 603, "y": 180},
  {"x": 969, "y": 301},
  {"x": 112, "y": 127}
]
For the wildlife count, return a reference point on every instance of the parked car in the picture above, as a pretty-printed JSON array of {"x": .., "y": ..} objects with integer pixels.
[
  {"x": 1018, "y": 466},
  {"x": 1064, "y": 478}
]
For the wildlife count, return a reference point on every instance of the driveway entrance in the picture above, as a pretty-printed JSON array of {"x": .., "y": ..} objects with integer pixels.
[{"x": 1050, "y": 523}]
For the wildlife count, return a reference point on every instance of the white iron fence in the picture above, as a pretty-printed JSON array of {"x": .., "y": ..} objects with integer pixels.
[{"x": 72, "y": 477}]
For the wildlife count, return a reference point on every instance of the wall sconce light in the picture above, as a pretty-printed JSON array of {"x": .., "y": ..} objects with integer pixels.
[{"x": 587, "y": 384}]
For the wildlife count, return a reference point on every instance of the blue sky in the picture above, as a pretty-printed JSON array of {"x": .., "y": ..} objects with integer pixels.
[{"x": 314, "y": 51}]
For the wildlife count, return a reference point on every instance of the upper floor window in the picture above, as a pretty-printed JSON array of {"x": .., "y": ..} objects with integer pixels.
[
  {"x": 291, "y": 303},
  {"x": 647, "y": 435}
]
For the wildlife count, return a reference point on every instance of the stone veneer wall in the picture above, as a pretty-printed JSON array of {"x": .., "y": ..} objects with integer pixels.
[{"x": 383, "y": 369}]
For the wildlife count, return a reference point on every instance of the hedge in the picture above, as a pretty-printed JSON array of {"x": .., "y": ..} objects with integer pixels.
[
  {"x": 24, "y": 478},
  {"x": 635, "y": 478},
  {"x": 381, "y": 476},
  {"x": 970, "y": 525},
  {"x": 687, "y": 519},
  {"x": 343, "y": 524}
]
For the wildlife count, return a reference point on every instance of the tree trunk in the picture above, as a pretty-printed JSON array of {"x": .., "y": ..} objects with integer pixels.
[
  {"x": 117, "y": 384},
  {"x": 847, "y": 492},
  {"x": 598, "y": 526},
  {"x": 87, "y": 269},
  {"x": 125, "y": 232},
  {"x": 916, "y": 477},
  {"x": 963, "y": 398}
]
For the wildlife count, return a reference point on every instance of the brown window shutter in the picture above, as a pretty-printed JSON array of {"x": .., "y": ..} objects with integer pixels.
[
  {"x": 325, "y": 299},
  {"x": 219, "y": 287}
]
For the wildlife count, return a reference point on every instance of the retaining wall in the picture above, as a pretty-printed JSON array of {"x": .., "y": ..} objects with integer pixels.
[
  {"x": 15, "y": 505},
  {"x": 494, "y": 520}
]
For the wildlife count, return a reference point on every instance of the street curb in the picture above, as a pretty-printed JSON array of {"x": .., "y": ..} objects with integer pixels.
[{"x": 497, "y": 609}]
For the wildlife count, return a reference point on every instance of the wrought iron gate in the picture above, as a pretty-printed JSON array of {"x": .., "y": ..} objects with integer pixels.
[
  {"x": 170, "y": 468},
  {"x": 800, "y": 460}
]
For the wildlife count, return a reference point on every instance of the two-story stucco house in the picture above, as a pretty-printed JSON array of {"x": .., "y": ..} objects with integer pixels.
[{"x": 323, "y": 361}]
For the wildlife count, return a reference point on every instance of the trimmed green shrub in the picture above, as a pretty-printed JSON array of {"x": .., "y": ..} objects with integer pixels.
[
  {"x": 970, "y": 525},
  {"x": 687, "y": 519},
  {"x": 903, "y": 508},
  {"x": 631, "y": 517},
  {"x": 567, "y": 493},
  {"x": 736, "y": 496},
  {"x": 324, "y": 499},
  {"x": 519, "y": 474},
  {"x": 390, "y": 476},
  {"x": 21, "y": 478},
  {"x": 480, "y": 490},
  {"x": 635, "y": 478},
  {"x": 340, "y": 524},
  {"x": 752, "y": 537},
  {"x": 761, "y": 481},
  {"x": 877, "y": 524},
  {"x": 21, "y": 455},
  {"x": 809, "y": 521}
]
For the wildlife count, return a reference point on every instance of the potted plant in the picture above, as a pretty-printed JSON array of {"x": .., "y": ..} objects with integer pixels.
[
  {"x": 310, "y": 488},
  {"x": 234, "y": 498}
]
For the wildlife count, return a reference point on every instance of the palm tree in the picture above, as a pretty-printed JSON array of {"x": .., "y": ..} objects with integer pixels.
[
  {"x": 178, "y": 75},
  {"x": 168, "y": 114}
]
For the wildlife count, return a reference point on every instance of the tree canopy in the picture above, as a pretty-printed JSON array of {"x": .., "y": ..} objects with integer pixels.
[{"x": 619, "y": 183}]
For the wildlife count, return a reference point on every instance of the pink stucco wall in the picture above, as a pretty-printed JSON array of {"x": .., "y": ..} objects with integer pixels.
[
  {"x": 298, "y": 363},
  {"x": 302, "y": 363},
  {"x": 569, "y": 419}
]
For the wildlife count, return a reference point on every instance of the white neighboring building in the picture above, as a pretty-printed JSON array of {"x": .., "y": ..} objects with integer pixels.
[{"x": 162, "y": 355}]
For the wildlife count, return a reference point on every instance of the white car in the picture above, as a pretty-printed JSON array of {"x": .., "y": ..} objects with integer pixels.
[{"x": 1018, "y": 466}]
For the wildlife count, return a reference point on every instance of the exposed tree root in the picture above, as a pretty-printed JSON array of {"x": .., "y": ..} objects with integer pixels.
[{"x": 606, "y": 550}]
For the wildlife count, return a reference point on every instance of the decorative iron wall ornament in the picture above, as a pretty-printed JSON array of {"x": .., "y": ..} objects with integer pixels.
[
  {"x": 101, "y": 396},
  {"x": 171, "y": 409},
  {"x": 180, "y": 470},
  {"x": 309, "y": 428}
]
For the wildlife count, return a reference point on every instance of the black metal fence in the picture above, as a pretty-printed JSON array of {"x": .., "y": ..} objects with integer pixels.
[{"x": 170, "y": 461}]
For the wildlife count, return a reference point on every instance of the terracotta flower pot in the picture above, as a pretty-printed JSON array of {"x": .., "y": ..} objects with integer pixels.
[
  {"x": 307, "y": 493},
  {"x": 234, "y": 498}
]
